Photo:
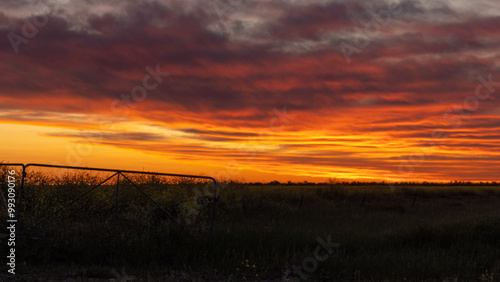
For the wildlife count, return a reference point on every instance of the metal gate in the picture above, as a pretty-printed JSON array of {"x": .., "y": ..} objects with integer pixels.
[{"x": 115, "y": 173}]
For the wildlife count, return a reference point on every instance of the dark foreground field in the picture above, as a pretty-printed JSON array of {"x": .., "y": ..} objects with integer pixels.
[{"x": 373, "y": 233}]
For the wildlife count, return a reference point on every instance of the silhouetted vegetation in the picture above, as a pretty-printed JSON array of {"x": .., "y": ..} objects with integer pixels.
[{"x": 412, "y": 231}]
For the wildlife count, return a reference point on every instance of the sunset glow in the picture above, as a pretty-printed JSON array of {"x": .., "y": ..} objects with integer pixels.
[{"x": 257, "y": 91}]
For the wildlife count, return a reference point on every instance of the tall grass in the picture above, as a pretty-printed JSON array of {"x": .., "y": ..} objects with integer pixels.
[{"x": 409, "y": 233}]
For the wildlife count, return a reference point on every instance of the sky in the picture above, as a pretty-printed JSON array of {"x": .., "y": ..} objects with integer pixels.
[{"x": 254, "y": 90}]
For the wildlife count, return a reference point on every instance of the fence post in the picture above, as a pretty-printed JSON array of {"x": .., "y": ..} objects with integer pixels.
[
  {"x": 213, "y": 210},
  {"x": 21, "y": 195},
  {"x": 116, "y": 203}
]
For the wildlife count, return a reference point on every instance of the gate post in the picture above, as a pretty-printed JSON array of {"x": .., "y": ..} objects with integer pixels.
[
  {"x": 21, "y": 195},
  {"x": 116, "y": 203}
]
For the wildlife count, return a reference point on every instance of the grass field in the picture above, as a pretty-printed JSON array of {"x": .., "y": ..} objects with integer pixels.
[{"x": 409, "y": 233}]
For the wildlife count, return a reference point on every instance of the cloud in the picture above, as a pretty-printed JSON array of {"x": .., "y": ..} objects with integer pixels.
[
  {"x": 229, "y": 75},
  {"x": 113, "y": 136}
]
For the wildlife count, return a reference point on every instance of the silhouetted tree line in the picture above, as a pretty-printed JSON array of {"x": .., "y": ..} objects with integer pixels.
[{"x": 358, "y": 183}]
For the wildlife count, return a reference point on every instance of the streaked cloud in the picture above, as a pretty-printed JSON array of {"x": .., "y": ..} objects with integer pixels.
[{"x": 231, "y": 76}]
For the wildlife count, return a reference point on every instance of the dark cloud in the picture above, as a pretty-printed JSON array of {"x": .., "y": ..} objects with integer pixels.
[
  {"x": 224, "y": 85},
  {"x": 103, "y": 137}
]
